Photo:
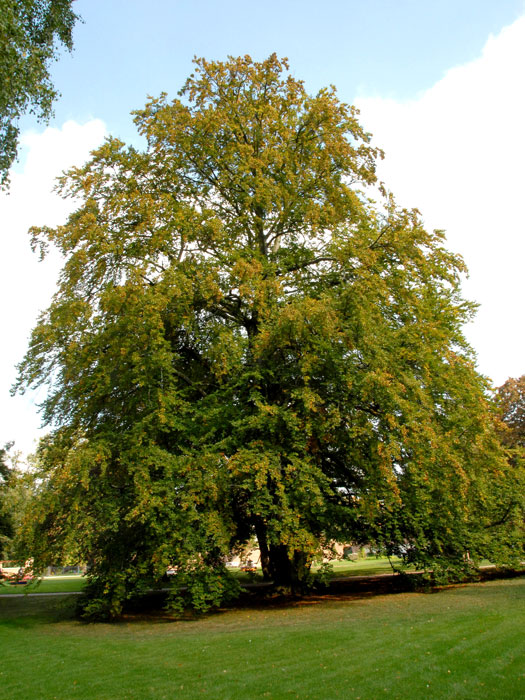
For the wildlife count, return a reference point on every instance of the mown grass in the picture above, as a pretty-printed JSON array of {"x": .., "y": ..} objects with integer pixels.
[
  {"x": 368, "y": 566},
  {"x": 54, "y": 584},
  {"x": 463, "y": 642}
]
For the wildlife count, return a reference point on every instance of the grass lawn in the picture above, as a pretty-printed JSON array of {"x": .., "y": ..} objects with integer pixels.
[
  {"x": 364, "y": 567},
  {"x": 361, "y": 567},
  {"x": 463, "y": 642},
  {"x": 51, "y": 584}
]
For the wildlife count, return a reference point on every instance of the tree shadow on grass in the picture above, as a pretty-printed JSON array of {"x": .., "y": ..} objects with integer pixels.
[
  {"x": 28, "y": 612},
  {"x": 152, "y": 607}
]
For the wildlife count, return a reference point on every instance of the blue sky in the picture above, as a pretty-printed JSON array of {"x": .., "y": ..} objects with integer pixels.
[
  {"x": 439, "y": 84},
  {"x": 127, "y": 49}
]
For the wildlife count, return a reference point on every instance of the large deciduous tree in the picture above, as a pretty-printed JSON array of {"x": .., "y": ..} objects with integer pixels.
[
  {"x": 30, "y": 34},
  {"x": 244, "y": 343}
]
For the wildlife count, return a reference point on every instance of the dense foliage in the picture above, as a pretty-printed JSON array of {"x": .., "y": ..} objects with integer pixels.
[
  {"x": 29, "y": 32},
  {"x": 243, "y": 342}
]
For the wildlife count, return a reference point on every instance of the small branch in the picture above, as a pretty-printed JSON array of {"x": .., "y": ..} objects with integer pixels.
[
  {"x": 383, "y": 232},
  {"x": 302, "y": 266},
  {"x": 189, "y": 381}
]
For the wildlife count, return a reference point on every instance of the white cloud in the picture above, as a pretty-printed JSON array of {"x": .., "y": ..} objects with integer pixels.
[
  {"x": 26, "y": 286},
  {"x": 457, "y": 153}
]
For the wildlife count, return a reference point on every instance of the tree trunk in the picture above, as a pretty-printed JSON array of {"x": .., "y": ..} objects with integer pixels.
[
  {"x": 289, "y": 572},
  {"x": 260, "y": 531}
]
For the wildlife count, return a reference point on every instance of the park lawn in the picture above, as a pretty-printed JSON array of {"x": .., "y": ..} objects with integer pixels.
[
  {"x": 368, "y": 566},
  {"x": 463, "y": 642},
  {"x": 50, "y": 584}
]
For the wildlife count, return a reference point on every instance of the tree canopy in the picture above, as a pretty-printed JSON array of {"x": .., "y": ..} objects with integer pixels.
[
  {"x": 243, "y": 342},
  {"x": 29, "y": 32}
]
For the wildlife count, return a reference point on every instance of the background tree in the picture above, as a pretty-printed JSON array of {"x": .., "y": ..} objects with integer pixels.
[
  {"x": 510, "y": 402},
  {"x": 510, "y": 397},
  {"x": 6, "y": 515},
  {"x": 243, "y": 342},
  {"x": 30, "y": 31}
]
